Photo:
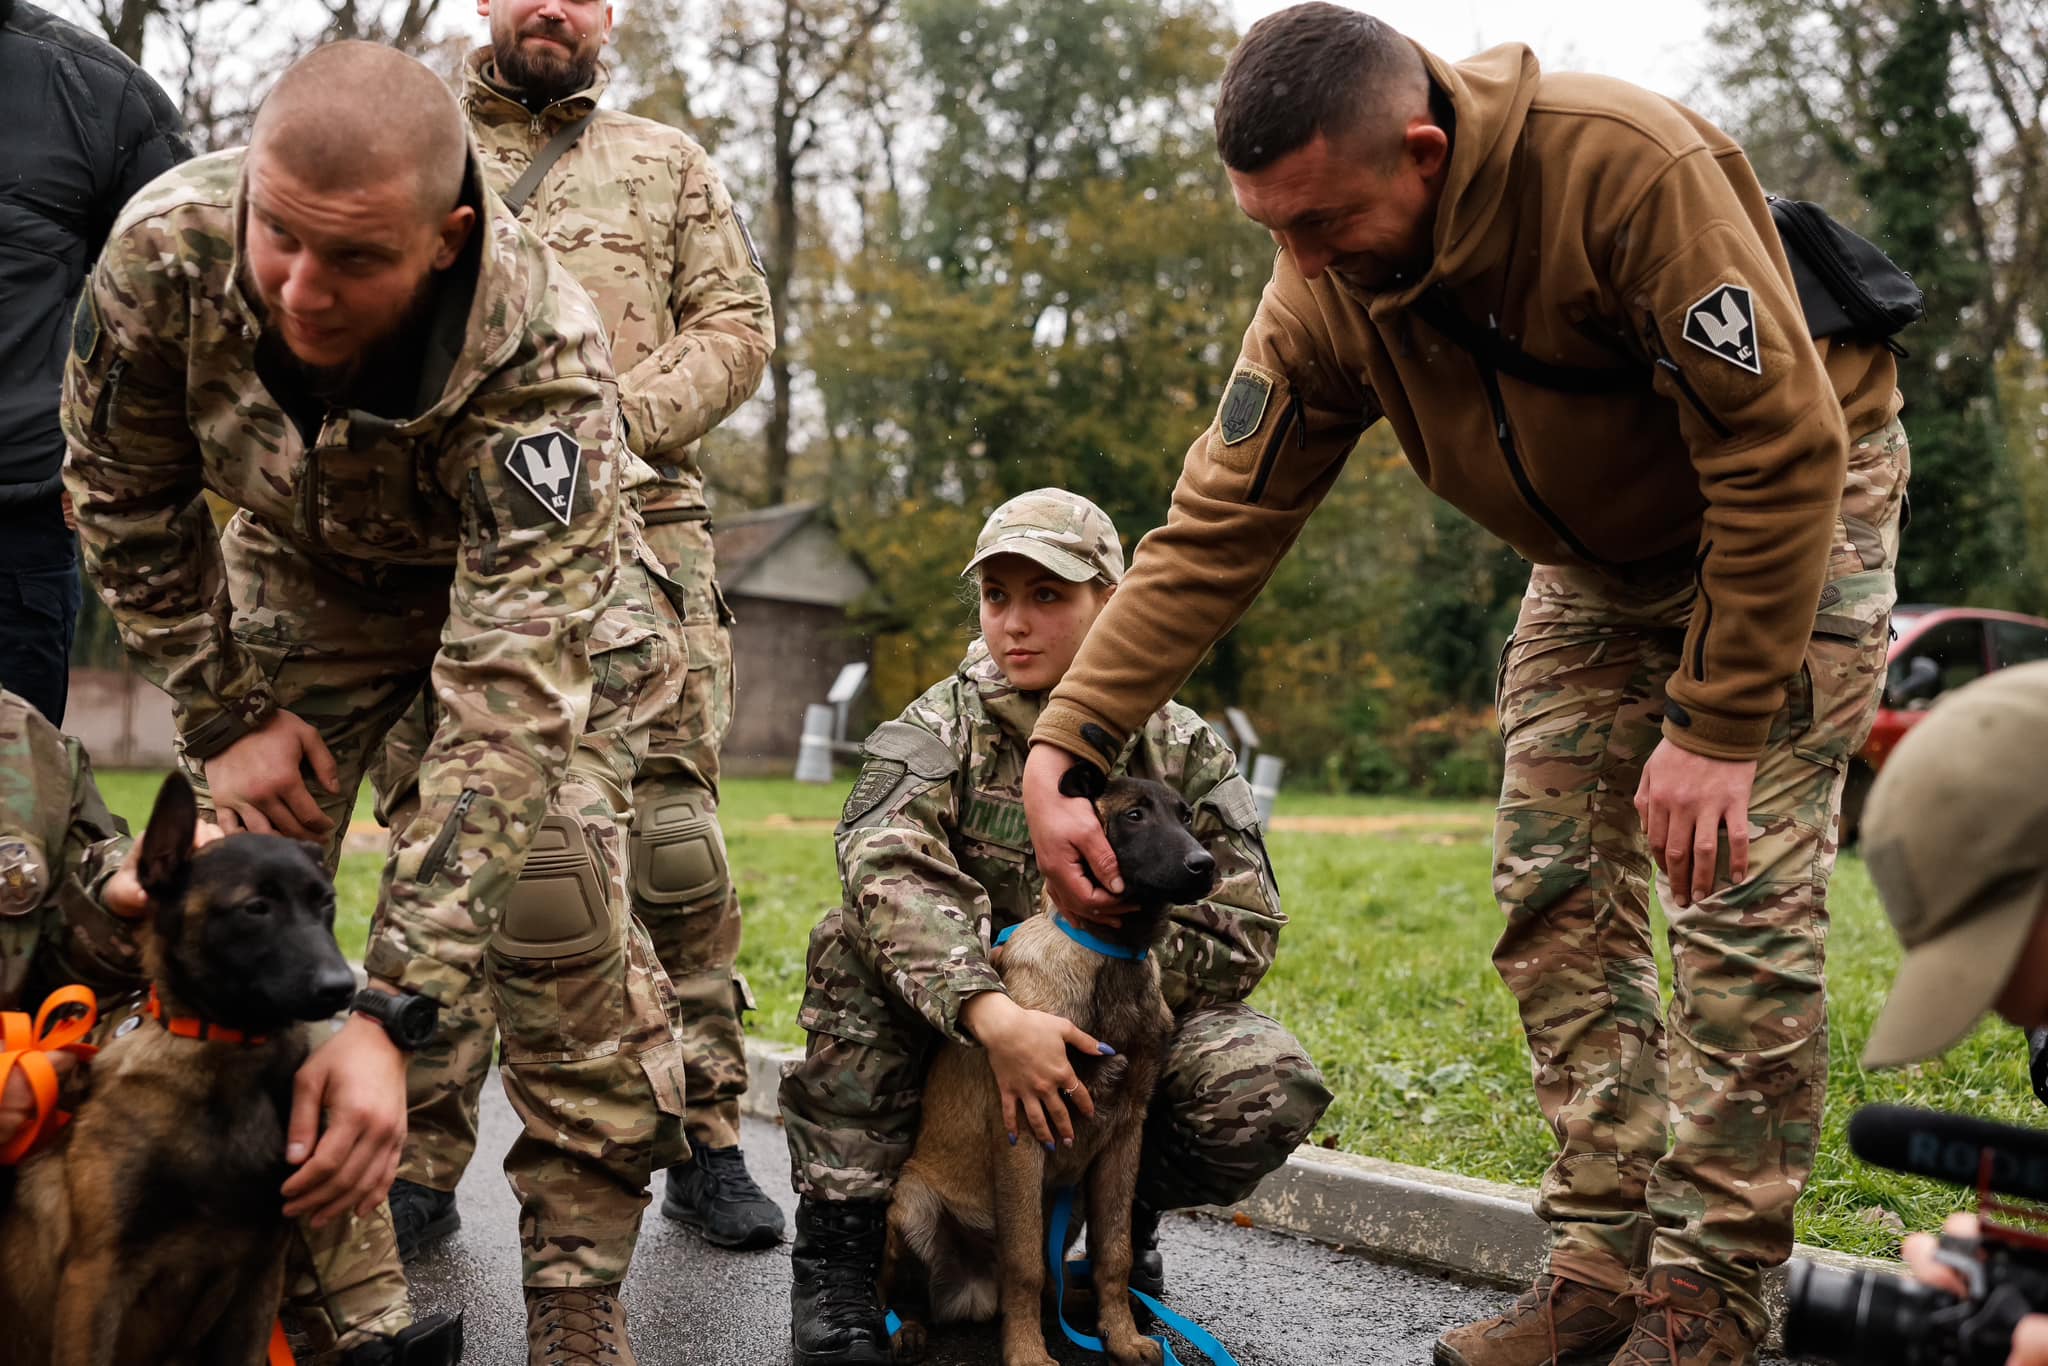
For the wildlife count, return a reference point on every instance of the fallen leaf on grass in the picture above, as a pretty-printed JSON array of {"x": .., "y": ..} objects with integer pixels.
[{"x": 1879, "y": 1217}]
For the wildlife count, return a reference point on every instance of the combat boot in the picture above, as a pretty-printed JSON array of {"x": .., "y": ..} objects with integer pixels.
[
  {"x": 1148, "y": 1268},
  {"x": 835, "y": 1310},
  {"x": 578, "y": 1326},
  {"x": 1686, "y": 1321},
  {"x": 431, "y": 1342},
  {"x": 714, "y": 1194},
  {"x": 420, "y": 1216},
  {"x": 1555, "y": 1322}
]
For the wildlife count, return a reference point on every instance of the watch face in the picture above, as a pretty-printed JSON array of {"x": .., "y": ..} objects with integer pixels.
[{"x": 414, "y": 1019}]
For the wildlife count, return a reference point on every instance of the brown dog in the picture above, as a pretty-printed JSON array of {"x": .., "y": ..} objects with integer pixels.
[
  {"x": 967, "y": 1221},
  {"x": 153, "y": 1231}
]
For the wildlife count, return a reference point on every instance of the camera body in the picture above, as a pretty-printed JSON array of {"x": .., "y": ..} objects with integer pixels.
[
  {"x": 1874, "y": 1319},
  {"x": 1882, "y": 1320}
]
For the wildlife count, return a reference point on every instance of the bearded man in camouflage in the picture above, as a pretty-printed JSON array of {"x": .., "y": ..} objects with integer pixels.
[
  {"x": 411, "y": 405},
  {"x": 636, "y": 211}
]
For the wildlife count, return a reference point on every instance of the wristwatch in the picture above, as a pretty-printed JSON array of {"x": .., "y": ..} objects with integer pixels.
[{"x": 408, "y": 1018}]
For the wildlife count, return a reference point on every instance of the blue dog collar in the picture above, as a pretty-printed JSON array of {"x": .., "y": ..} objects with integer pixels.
[
  {"x": 1101, "y": 946},
  {"x": 1083, "y": 938}
]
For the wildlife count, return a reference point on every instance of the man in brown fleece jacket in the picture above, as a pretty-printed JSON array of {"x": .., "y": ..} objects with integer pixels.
[{"x": 1567, "y": 296}]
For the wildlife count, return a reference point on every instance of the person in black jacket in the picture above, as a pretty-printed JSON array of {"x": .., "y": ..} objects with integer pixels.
[{"x": 86, "y": 128}]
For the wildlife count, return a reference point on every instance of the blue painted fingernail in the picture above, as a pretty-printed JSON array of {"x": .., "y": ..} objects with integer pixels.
[
  {"x": 1049, "y": 1147},
  {"x": 1105, "y": 1050},
  {"x": 1013, "y": 1140}
]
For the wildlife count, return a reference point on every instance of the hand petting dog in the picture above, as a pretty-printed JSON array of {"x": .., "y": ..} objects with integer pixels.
[{"x": 1027, "y": 1050}]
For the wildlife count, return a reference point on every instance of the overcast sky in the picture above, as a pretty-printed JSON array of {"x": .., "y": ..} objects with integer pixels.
[{"x": 1656, "y": 43}]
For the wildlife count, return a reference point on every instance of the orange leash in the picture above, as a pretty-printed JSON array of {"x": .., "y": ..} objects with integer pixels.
[{"x": 27, "y": 1046}]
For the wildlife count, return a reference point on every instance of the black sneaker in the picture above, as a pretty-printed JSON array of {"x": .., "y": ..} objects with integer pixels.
[
  {"x": 431, "y": 1342},
  {"x": 421, "y": 1215},
  {"x": 713, "y": 1194}
]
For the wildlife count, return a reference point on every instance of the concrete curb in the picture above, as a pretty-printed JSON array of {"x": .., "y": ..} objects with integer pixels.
[{"x": 1482, "y": 1230}]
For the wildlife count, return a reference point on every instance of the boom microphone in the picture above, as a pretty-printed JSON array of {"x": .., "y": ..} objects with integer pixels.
[{"x": 1952, "y": 1148}]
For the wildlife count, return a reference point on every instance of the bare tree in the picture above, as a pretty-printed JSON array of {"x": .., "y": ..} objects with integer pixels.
[{"x": 805, "y": 50}]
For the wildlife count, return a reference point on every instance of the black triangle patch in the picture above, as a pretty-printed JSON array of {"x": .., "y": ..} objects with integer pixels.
[
  {"x": 1724, "y": 323},
  {"x": 548, "y": 465}
]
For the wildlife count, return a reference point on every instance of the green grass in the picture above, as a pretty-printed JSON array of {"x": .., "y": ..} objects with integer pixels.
[{"x": 1385, "y": 974}]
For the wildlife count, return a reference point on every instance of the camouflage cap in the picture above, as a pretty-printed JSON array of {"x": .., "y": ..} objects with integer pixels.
[
  {"x": 1956, "y": 837},
  {"x": 1062, "y": 531}
]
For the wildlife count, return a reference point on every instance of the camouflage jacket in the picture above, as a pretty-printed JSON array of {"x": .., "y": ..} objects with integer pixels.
[
  {"x": 637, "y": 213},
  {"x": 506, "y": 476},
  {"x": 58, "y": 843},
  {"x": 934, "y": 856}
]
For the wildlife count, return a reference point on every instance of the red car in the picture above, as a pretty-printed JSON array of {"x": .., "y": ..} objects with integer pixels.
[{"x": 1934, "y": 650}]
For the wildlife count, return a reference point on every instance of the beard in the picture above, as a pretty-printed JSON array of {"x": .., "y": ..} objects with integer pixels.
[{"x": 542, "y": 76}]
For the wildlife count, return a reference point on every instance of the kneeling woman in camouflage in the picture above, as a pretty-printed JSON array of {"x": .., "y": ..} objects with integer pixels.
[{"x": 935, "y": 860}]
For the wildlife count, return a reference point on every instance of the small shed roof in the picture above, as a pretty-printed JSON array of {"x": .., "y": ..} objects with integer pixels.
[{"x": 789, "y": 552}]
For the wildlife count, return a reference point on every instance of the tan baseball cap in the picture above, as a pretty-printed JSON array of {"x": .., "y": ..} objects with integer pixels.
[
  {"x": 1062, "y": 531},
  {"x": 1956, "y": 837}
]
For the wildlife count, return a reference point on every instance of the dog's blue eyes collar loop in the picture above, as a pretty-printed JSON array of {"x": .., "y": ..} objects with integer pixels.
[{"x": 1083, "y": 938}]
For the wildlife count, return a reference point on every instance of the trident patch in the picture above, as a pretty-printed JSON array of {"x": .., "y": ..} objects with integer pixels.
[
  {"x": 1244, "y": 406},
  {"x": 548, "y": 465}
]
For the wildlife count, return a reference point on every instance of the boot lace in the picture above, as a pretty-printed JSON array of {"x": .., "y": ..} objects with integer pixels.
[
  {"x": 578, "y": 1328},
  {"x": 725, "y": 1176},
  {"x": 1677, "y": 1323}
]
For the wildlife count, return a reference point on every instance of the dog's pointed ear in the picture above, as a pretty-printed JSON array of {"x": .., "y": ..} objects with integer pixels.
[
  {"x": 165, "y": 862},
  {"x": 1083, "y": 779}
]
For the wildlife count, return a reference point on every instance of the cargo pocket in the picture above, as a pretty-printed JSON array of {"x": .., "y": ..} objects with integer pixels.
[
  {"x": 1835, "y": 698},
  {"x": 651, "y": 1001}
]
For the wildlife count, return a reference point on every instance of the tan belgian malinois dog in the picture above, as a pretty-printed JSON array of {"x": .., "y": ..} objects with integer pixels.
[
  {"x": 152, "y": 1230},
  {"x": 967, "y": 1221}
]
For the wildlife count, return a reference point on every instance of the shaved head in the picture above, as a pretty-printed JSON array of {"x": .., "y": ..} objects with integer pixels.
[
  {"x": 345, "y": 115},
  {"x": 1318, "y": 68}
]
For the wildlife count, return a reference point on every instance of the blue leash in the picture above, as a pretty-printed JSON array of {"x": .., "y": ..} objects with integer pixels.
[
  {"x": 1055, "y": 1259},
  {"x": 1057, "y": 1265}
]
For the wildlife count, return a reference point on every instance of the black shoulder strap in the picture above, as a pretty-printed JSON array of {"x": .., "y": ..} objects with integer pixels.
[
  {"x": 564, "y": 138},
  {"x": 1489, "y": 346}
]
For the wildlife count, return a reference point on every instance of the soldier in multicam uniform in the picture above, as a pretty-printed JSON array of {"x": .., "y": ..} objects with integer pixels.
[
  {"x": 412, "y": 406},
  {"x": 68, "y": 903},
  {"x": 1568, "y": 298},
  {"x": 935, "y": 859},
  {"x": 636, "y": 211}
]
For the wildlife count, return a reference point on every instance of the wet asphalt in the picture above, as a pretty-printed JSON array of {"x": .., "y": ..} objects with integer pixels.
[{"x": 1271, "y": 1299}]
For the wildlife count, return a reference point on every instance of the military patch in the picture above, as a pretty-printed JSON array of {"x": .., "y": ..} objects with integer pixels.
[
  {"x": 23, "y": 883},
  {"x": 85, "y": 324},
  {"x": 878, "y": 778},
  {"x": 996, "y": 820},
  {"x": 1098, "y": 737},
  {"x": 1244, "y": 406},
  {"x": 1724, "y": 324},
  {"x": 548, "y": 465},
  {"x": 753, "y": 252}
]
